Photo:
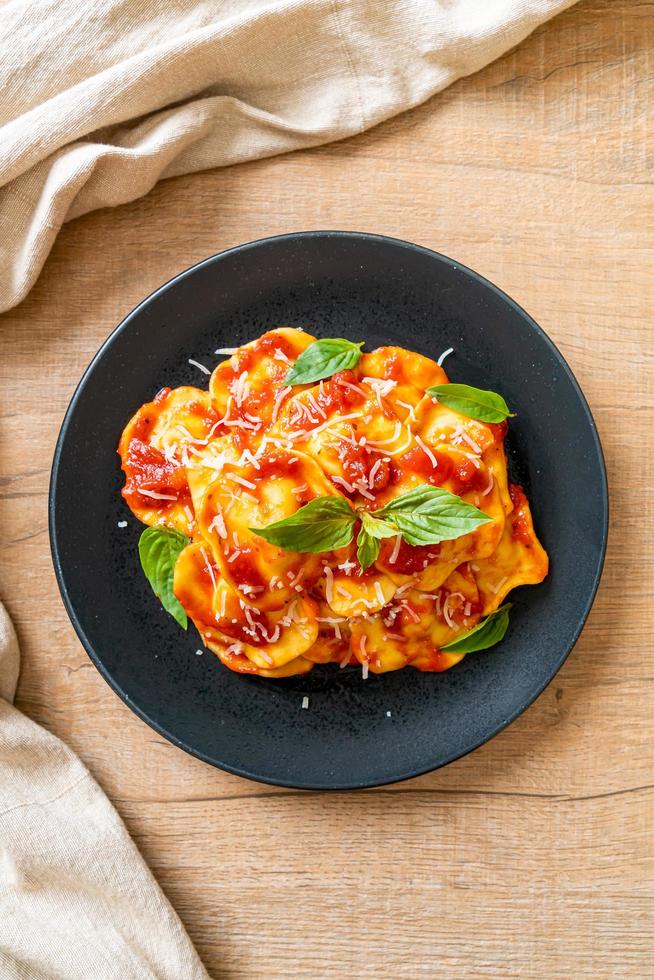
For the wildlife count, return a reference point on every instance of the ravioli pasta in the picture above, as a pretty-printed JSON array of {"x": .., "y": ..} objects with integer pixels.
[{"x": 253, "y": 450}]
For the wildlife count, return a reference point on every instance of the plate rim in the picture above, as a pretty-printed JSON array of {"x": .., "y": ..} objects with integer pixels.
[{"x": 454, "y": 265}]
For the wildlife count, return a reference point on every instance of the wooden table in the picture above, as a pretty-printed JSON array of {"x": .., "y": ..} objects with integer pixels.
[{"x": 533, "y": 856}]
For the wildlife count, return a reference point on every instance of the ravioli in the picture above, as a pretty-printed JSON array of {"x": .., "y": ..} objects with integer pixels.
[{"x": 221, "y": 465}]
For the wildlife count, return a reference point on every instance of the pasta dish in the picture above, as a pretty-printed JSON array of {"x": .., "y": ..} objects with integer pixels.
[{"x": 321, "y": 504}]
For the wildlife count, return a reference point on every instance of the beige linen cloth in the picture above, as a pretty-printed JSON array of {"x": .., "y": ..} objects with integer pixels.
[{"x": 99, "y": 99}]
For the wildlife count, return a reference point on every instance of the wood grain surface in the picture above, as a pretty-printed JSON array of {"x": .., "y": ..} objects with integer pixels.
[{"x": 532, "y": 857}]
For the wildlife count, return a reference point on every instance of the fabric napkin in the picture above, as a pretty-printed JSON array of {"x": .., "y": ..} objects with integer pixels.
[
  {"x": 77, "y": 901},
  {"x": 100, "y": 99}
]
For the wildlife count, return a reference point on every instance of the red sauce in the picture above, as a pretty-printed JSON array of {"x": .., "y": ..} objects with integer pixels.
[
  {"x": 433, "y": 661},
  {"x": 146, "y": 468},
  {"x": 244, "y": 571},
  {"x": 410, "y": 558},
  {"x": 499, "y": 430},
  {"x": 394, "y": 369},
  {"x": 520, "y": 526},
  {"x": 417, "y": 461},
  {"x": 336, "y": 397},
  {"x": 357, "y": 465},
  {"x": 271, "y": 342}
]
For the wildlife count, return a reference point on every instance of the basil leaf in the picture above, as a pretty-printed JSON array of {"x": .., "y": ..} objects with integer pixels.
[
  {"x": 159, "y": 549},
  {"x": 368, "y": 549},
  {"x": 323, "y": 524},
  {"x": 475, "y": 403},
  {"x": 369, "y": 539},
  {"x": 428, "y": 515},
  {"x": 322, "y": 359},
  {"x": 484, "y": 635}
]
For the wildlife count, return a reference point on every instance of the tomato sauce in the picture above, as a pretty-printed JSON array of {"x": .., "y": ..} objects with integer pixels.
[
  {"x": 520, "y": 524},
  {"x": 335, "y": 397},
  {"x": 243, "y": 569},
  {"x": 411, "y": 558},
  {"x": 394, "y": 369},
  {"x": 146, "y": 468}
]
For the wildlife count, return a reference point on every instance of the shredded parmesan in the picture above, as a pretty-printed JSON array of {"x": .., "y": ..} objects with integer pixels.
[
  {"x": 296, "y": 491},
  {"x": 387, "y": 442},
  {"x": 315, "y": 406},
  {"x": 279, "y": 355},
  {"x": 347, "y": 384},
  {"x": 155, "y": 495},
  {"x": 330, "y": 423},
  {"x": 380, "y": 594},
  {"x": 410, "y": 611},
  {"x": 243, "y": 482},
  {"x": 410, "y": 409},
  {"x": 218, "y": 524},
  {"x": 344, "y": 483},
  {"x": 473, "y": 445},
  {"x": 373, "y": 472},
  {"x": 496, "y": 588},
  {"x": 279, "y": 398},
  {"x": 364, "y": 670},
  {"x": 427, "y": 451},
  {"x": 329, "y": 584},
  {"x": 392, "y": 452},
  {"x": 122, "y": 524},
  {"x": 363, "y": 490},
  {"x": 305, "y": 701},
  {"x": 208, "y": 566},
  {"x": 396, "y": 550},
  {"x": 226, "y": 350},
  {"x": 446, "y": 353},
  {"x": 201, "y": 367},
  {"x": 491, "y": 481}
]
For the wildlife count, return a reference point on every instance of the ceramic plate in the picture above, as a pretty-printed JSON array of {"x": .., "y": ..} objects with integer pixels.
[{"x": 334, "y": 284}]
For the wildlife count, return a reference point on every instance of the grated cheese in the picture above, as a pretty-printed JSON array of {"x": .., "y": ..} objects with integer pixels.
[
  {"x": 491, "y": 481},
  {"x": 226, "y": 350},
  {"x": 156, "y": 496},
  {"x": 122, "y": 523},
  {"x": 473, "y": 445},
  {"x": 396, "y": 550},
  {"x": 305, "y": 701},
  {"x": 446, "y": 353},
  {"x": 218, "y": 524},
  {"x": 427, "y": 451},
  {"x": 329, "y": 584},
  {"x": 243, "y": 482},
  {"x": 496, "y": 588},
  {"x": 380, "y": 594},
  {"x": 344, "y": 483},
  {"x": 279, "y": 398},
  {"x": 410, "y": 409},
  {"x": 208, "y": 566},
  {"x": 197, "y": 364}
]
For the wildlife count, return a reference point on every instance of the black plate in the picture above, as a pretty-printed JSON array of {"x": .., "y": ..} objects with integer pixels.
[{"x": 386, "y": 292}]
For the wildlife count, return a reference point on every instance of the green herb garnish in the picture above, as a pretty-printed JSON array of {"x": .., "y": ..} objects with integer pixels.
[
  {"x": 425, "y": 515},
  {"x": 484, "y": 635},
  {"x": 475, "y": 403},
  {"x": 159, "y": 549},
  {"x": 322, "y": 359}
]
